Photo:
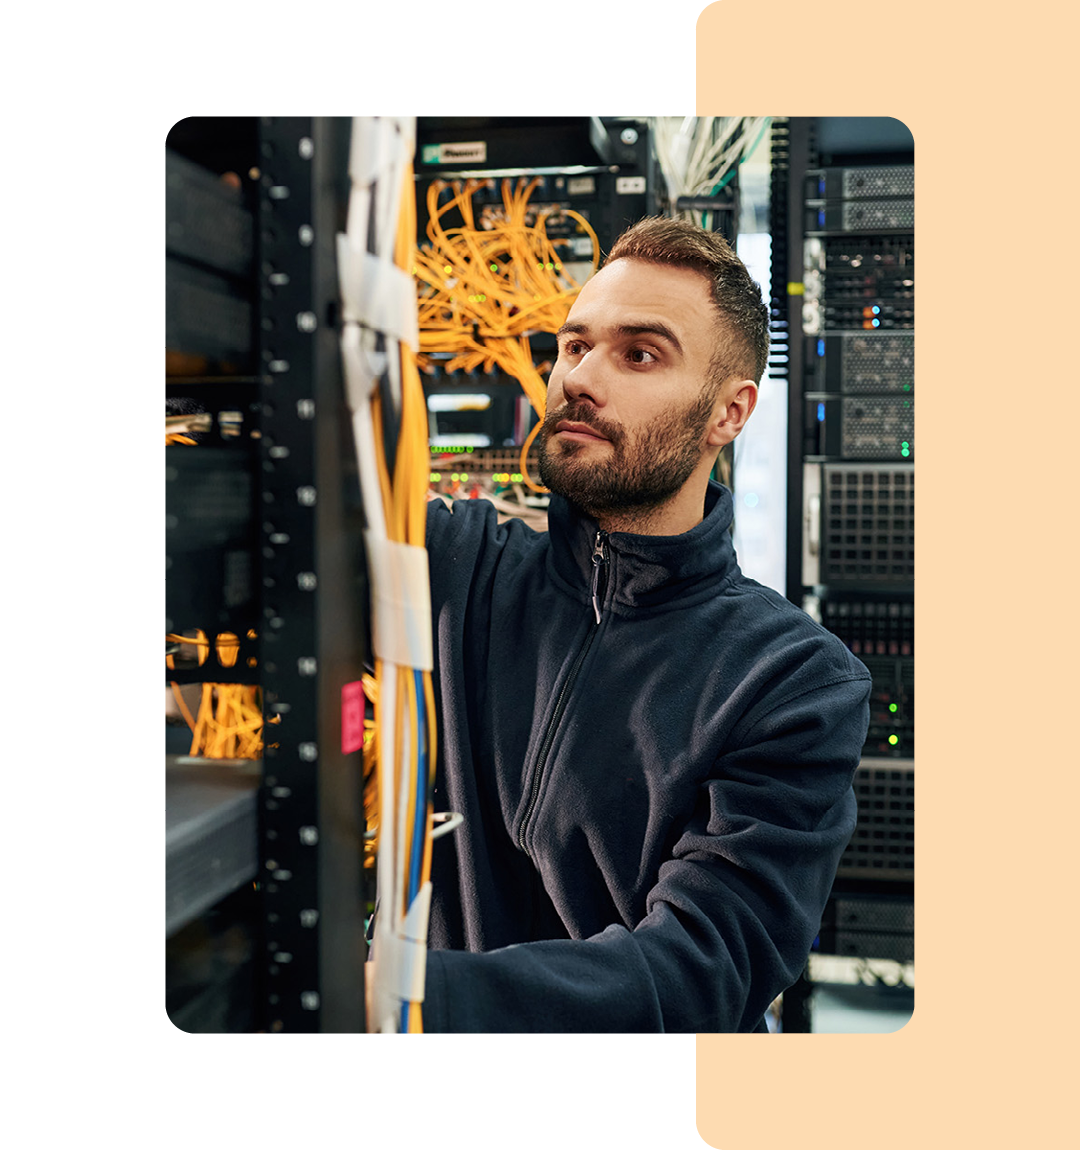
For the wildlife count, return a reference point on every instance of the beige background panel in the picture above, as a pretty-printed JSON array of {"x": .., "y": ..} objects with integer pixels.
[{"x": 987, "y": 1059}]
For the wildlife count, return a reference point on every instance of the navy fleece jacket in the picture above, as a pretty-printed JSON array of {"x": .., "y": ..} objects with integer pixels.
[{"x": 654, "y": 803}]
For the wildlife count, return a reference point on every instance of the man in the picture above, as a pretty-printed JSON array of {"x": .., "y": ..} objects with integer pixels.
[{"x": 653, "y": 755}]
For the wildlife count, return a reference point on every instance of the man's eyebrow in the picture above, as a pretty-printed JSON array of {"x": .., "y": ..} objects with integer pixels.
[{"x": 652, "y": 327}]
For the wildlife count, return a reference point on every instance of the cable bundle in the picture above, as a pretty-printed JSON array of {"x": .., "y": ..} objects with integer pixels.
[
  {"x": 385, "y": 397},
  {"x": 483, "y": 290},
  {"x": 699, "y": 155},
  {"x": 229, "y": 721}
]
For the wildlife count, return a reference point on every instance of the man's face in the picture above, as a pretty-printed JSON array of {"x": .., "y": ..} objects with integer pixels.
[{"x": 629, "y": 399}]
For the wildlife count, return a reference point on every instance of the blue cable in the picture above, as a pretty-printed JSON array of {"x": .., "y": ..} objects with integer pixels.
[{"x": 420, "y": 812}]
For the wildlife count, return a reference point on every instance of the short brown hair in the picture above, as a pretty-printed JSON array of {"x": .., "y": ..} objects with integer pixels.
[{"x": 679, "y": 243}]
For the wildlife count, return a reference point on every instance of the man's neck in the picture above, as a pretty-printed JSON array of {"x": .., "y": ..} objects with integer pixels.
[{"x": 681, "y": 513}]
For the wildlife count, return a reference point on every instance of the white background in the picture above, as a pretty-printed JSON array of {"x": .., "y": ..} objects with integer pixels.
[{"x": 90, "y": 96}]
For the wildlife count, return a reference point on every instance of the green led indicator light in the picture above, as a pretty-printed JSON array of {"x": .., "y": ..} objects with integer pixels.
[
  {"x": 494, "y": 267},
  {"x": 893, "y": 740},
  {"x": 434, "y": 477},
  {"x": 905, "y": 453},
  {"x": 907, "y": 386},
  {"x": 893, "y": 708}
]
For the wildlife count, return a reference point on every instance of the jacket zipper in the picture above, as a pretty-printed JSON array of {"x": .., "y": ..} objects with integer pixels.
[{"x": 599, "y": 561}]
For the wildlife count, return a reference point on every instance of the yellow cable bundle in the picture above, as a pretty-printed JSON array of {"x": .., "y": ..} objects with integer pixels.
[
  {"x": 482, "y": 291},
  {"x": 229, "y": 721}
]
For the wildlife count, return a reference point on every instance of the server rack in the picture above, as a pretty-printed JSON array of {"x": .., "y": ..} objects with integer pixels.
[
  {"x": 266, "y": 893},
  {"x": 843, "y": 338},
  {"x": 212, "y": 926},
  {"x": 264, "y": 541}
]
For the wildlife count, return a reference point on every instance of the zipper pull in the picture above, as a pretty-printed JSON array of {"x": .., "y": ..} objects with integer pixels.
[{"x": 599, "y": 559}]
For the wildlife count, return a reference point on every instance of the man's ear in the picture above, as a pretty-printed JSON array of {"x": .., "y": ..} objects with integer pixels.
[{"x": 733, "y": 408}]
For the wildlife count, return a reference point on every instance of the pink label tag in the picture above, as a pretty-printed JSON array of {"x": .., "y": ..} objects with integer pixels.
[{"x": 352, "y": 717}]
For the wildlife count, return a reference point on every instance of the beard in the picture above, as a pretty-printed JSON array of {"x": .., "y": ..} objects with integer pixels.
[{"x": 644, "y": 469}]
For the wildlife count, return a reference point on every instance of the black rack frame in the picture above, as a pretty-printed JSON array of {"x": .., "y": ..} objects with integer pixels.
[{"x": 314, "y": 638}]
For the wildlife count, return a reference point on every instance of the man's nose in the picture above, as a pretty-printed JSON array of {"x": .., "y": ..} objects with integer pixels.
[{"x": 584, "y": 380}]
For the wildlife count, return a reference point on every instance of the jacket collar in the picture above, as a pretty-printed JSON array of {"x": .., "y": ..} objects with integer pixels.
[{"x": 646, "y": 571}]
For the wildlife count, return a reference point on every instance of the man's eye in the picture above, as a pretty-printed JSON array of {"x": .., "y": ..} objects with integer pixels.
[
  {"x": 641, "y": 355},
  {"x": 574, "y": 347}
]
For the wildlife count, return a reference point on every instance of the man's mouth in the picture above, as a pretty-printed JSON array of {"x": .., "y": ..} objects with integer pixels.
[{"x": 580, "y": 431}]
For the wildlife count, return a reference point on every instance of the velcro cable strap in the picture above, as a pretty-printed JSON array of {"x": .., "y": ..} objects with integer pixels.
[
  {"x": 377, "y": 293},
  {"x": 379, "y": 144},
  {"x": 408, "y": 948},
  {"x": 400, "y": 602},
  {"x": 362, "y": 365}
]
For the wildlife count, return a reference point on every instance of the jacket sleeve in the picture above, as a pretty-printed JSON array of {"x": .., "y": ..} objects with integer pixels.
[{"x": 731, "y": 917}]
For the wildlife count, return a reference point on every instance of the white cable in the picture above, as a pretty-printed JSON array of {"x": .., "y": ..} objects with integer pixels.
[
  {"x": 701, "y": 135},
  {"x": 386, "y": 874},
  {"x": 696, "y": 153},
  {"x": 444, "y": 822}
]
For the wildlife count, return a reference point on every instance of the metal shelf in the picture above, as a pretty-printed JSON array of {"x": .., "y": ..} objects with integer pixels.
[{"x": 210, "y": 833}]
